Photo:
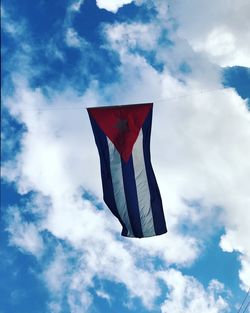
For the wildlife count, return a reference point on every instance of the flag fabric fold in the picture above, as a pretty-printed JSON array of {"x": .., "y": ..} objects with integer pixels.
[{"x": 122, "y": 135}]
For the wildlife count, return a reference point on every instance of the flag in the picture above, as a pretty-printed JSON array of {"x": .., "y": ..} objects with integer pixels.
[{"x": 122, "y": 135}]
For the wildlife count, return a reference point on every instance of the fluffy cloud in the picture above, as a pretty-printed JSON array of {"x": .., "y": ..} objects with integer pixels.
[
  {"x": 53, "y": 150},
  {"x": 103, "y": 295},
  {"x": 200, "y": 149},
  {"x": 23, "y": 234},
  {"x": 112, "y": 5},
  {"x": 206, "y": 139},
  {"x": 72, "y": 38},
  {"x": 61, "y": 281},
  {"x": 188, "y": 295},
  {"x": 76, "y": 5},
  {"x": 220, "y": 29},
  {"x": 245, "y": 271}
]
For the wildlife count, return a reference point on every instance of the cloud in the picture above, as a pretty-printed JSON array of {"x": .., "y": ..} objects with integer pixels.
[
  {"x": 112, "y": 6},
  {"x": 56, "y": 272},
  {"x": 95, "y": 253},
  {"x": 206, "y": 138},
  {"x": 219, "y": 30},
  {"x": 24, "y": 235},
  {"x": 47, "y": 169},
  {"x": 132, "y": 36},
  {"x": 183, "y": 252},
  {"x": 9, "y": 26},
  {"x": 102, "y": 294},
  {"x": 244, "y": 273},
  {"x": 72, "y": 38},
  {"x": 188, "y": 295},
  {"x": 200, "y": 148},
  {"x": 53, "y": 150},
  {"x": 63, "y": 283},
  {"x": 76, "y": 5}
]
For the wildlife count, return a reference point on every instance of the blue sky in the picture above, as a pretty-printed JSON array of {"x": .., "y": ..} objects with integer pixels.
[{"x": 61, "y": 249}]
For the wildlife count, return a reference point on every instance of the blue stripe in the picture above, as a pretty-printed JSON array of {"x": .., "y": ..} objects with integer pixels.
[
  {"x": 156, "y": 202},
  {"x": 131, "y": 196},
  {"x": 108, "y": 191}
]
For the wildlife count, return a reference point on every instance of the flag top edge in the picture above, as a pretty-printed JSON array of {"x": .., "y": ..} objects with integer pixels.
[{"x": 119, "y": 106}]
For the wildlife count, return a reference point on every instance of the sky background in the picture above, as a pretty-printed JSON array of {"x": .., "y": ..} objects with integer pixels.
[{"x": 61, "y": 249}]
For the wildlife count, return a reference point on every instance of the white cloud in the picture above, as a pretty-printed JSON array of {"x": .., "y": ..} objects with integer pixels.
[
  {"x": 125, "y": 36},
  {"x": 102, "y": 294},
  {"x": 24, "y": 235},
  {"x": 183, "y": 252},
  {"x": 200, "y": 149},
  {"x": 96, "y": 255},
  {"x": 60, "y": 278},
  {"x": 206, "y": 140},
  {"x": 245, "y": 272},
  {"x": 76, "y": 5},
  {"x": 112, "y": 5},
  {"x": 12, "y": 27},
  {"x": 54, "y": 149},
  {"x": 72, "y": 38},
  {"x": 56, "y": 272},
  {"x": 188, "y": 295},
  {"x": 220, "y": 29},
  {"x": 50, "y": 143}
]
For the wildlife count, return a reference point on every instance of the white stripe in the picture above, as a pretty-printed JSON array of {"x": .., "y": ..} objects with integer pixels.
[
  {"x": 143, "y": 192},
  {"x": 117, "y": 180}
]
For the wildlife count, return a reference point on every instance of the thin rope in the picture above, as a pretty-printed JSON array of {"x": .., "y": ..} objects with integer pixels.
[
  {"x": 154, "y": 101},
  {"x": 244, "y": 302},
  {"x": 246, "y": 307}
]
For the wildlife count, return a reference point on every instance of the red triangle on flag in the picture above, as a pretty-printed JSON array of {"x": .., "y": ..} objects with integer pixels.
[{"x": 121, "y": 124}]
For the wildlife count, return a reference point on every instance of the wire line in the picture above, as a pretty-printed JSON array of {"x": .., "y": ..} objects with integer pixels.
[
  {"x": 246, "y": 307},
  {"x": 154, "y": 101},
  {"x": 244, "y": 302}
]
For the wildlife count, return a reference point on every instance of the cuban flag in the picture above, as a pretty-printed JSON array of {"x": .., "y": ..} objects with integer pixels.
[{"x": 122, "y": 135}]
